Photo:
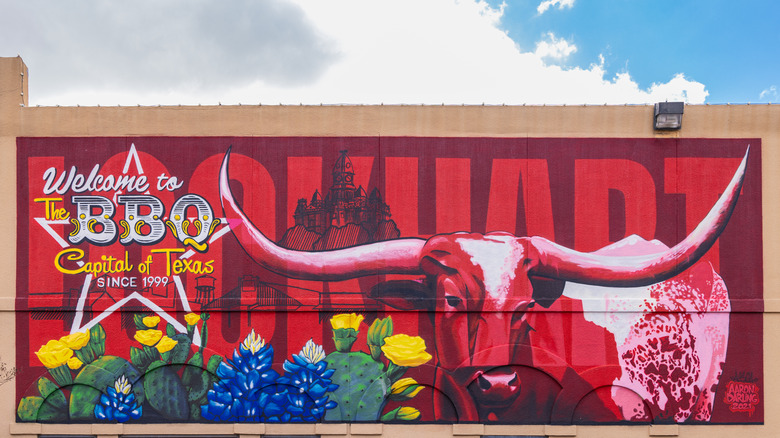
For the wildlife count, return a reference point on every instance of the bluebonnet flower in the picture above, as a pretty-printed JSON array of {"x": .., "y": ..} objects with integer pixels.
[
  {"x": 119, "y": 405},
  {"x": 246, "y": 387},
  {"x": 307, "y": 380}
]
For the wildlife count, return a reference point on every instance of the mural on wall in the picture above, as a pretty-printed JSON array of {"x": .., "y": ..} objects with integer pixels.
[{"x": 508, "y": 281}]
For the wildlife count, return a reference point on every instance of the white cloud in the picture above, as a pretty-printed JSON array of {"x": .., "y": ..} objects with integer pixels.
[
  {"x": 678, "y": 89},
  {"x": 547, "y": 4},
  {"x": 769, "y": 94},
  {"x": 556, "y": 48},
  {"x": 350, "y": 52},
  {"x": 156, "y": 46}
]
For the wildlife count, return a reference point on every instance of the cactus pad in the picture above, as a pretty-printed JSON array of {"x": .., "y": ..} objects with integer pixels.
[
  {"x": 362, "y": 388},
  {"x": 93, "y": 380},
  {"x": 165, "y": 392}
]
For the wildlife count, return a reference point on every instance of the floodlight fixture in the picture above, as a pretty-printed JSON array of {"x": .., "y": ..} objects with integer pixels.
[{"x": 668, "y": 115}]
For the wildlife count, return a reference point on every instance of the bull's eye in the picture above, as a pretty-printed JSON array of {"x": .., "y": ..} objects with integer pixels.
[
  {"x": 452, "y": 291},
  {"x": 453, "y": 301}
]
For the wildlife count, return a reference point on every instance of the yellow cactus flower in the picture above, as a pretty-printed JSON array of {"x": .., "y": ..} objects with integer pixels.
[
  {"x": 192, "y": 318},
  {"x": 408, "y": 413},
  {"x": 405, "y": 350},
  {"x": 54, "y": 354},
  {"x": 400, "y": 385},
  {"x": 148, "y": 337},
  {"x": 74, "y": 363},
  {"x": 406, "y": 386},
  {"x": 166, "y": 344},
  {"x": 151, "y": 321},
  {"x": 76, "y": 341},
  {"x": 346, "y": 320}
]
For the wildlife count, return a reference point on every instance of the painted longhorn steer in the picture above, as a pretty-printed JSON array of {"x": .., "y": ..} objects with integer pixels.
[{"x": 493, "y": 363}]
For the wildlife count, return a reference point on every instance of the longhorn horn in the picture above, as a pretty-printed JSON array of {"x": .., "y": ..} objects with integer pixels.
[
  {"x": 401, "y": 256},
  {"x": 559, "y": 262}
]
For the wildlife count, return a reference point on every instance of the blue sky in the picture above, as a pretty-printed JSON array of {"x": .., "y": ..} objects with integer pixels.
[
  {"x": 731, "y": 47},
  {"x": 553, "y": 52}
]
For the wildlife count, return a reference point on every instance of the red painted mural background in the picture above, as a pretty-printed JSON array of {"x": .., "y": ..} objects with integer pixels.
[{"x": 559, "y": 365}]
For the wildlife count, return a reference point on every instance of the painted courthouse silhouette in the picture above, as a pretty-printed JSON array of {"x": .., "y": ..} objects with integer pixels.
[{"x": 346, "y": 216}]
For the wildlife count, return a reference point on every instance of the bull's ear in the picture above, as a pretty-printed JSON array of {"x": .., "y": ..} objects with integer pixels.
[
  {"x": 404, "y": 295},
  {"x": 546, "y": 290}
]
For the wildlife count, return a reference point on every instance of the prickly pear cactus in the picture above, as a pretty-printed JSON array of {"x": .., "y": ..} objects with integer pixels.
[
  {"x": 51, "y": 406},
  {"x": 165, "y": 392},
  {"x": 95, "y": 378},
  {"x": 362, "y": 390},
  {"x": 181, "y": 351},
  {"x": 51, "y": 393},
  {"x": 29, "y": 407},
  {"x": 195, "y": 378}
]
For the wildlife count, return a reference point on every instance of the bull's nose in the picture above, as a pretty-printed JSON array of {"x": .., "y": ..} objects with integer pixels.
[{"x": 496, "y": 386}]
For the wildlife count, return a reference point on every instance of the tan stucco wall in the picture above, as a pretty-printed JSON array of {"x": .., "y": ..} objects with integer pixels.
[{"x": 700, "y": 121}]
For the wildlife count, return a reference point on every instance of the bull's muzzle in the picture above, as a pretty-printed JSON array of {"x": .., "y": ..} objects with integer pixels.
[{"x": 495, "y": 386}]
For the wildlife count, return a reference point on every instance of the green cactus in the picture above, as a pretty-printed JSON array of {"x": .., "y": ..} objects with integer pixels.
[
  {"x": 198, "y": 389},
  {"x": 165, "y": 392},
  {"x": 93, "y": 380},
  {"x": 363, "y": 387},
  {"x": 35, "y": 408},
  {"x": 51, "y": 393},
  {"x": 374, "y": 399},
  {"x": 138, "y": 319},
  {"x": 55, "y": 405},
  {"x": 195, "y": 412},
  {"x": 52, "y": 406},
  {"x": 204, "y": 331},
  {"x": 197, "y": 381},
  {"x": 195, "y": 378},
  {"x": 141, "y": 358},
  {"x": 97, "y": 341},
  {"x": 379, "y": 330},
  {"x": 29, "y": 407},
  {"x": 213, "y": 364},
  {"x": 181, "y": 351}
]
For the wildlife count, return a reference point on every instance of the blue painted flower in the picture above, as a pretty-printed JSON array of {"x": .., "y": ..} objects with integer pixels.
[
  {"x": 307, "y": 380},
  {"x": 246, "y": 387},
  {"x": 119, "y": 404}
]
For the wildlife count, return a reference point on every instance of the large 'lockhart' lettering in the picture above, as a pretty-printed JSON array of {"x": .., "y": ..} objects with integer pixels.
[{"x": 594, "y": 179}]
